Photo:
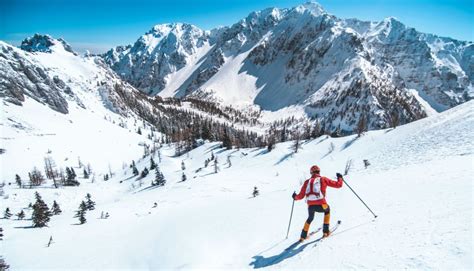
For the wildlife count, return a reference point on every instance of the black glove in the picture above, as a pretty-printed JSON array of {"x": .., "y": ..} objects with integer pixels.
[
  {"x": 294, "y": 195},
  {"x": 338, "y": 175}
]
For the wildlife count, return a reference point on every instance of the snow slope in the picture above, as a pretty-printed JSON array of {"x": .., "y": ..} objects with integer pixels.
[
  {"x": 94, "y": 121},
  {"x": 419, "y": 183}
]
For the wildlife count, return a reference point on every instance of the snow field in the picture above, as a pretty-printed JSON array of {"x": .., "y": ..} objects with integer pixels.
[{"x": 419, "y": 183}]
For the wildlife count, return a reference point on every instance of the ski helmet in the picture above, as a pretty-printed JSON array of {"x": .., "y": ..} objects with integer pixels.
[{"x": 314, "y": 169}]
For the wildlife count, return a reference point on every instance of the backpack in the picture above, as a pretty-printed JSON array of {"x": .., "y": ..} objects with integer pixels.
[{"x": 313, "y": 189}]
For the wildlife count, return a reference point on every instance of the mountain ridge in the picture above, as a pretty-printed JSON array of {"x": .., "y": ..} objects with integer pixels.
[{"x": 277, "y": 58}]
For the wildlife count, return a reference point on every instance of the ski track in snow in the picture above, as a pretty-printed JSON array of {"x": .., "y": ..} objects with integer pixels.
[{"x": 419, "y": 183}]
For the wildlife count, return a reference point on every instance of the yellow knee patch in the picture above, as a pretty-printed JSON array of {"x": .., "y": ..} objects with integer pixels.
[
  {"x": 327, "y": 218},
  {"x": 306, "y": 227}
]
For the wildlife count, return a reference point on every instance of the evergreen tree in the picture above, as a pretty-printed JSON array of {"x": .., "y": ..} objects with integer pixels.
[
  {"x": 90, "y": 205},
  {"x": 134, "y": 169},
  {"x": 71, "y": 177},
  {"x": 144, "y": 172},
  {"x": 212, "y": 156},
  {"x": 18, "y": 180},
  {"x": 159, "y": 178},
  {"x": 55, "y": 210},
  {"x": 297, "y": 143},
  {"x": 183, "y": 177},
  {"x": 152, "y": 164},
  {"x": 81, "y": 213},
  {"x": 21, "y": 215},
  {"x": 86, "y": 174},
  {"x": 41, "y": 214},
  {"x": 183, "y": 166},
  {"x": 7, "y": 213},
  {"x": 139, "y": 131}
]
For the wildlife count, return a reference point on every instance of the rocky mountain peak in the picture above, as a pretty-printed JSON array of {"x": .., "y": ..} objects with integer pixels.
[{"x": 45, "y": 44}]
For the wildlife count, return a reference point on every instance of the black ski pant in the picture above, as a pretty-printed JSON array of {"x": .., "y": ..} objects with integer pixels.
[{"x": 323, "y": 208}]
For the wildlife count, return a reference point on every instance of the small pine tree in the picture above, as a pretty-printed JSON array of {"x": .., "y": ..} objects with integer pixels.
[
  {"x": 212, "y": 156},
  {"x": 3, "y": 264},
  {"x": 20, "y": 215},
  {"x": 183, "y": 177},
  {"x": 74, "y": 175},
  {"x": 7, "y": 213},
  {"x": 41, "y": 214},
  {"x": 90, "y": 204},
  {"x": 152, "y": 164},
  {"x": 366, "y": 163},
  {"x": 18, "y": 180},
  {"x": 297, "y": 143},
  {"x": 144, "y": 173},
  {"x": 134, "y": 169},
  {"x": 71, "y": 177},
  {"x": 183, "y": 166},
  {"x": 159, "y": 178},
  {"x": 55, "y": 209},
  {"x": 206, "y": 163},
  {"x": 86, "y": 174},
  {"x": 139, "y": 131},
  {"x": 81, "y": 213}
]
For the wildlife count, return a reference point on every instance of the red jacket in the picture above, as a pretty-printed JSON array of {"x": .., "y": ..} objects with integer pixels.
[{"x": 325, "y": 182}]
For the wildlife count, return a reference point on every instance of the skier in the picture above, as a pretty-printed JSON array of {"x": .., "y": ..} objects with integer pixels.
[{"x": 314, "y": 189}]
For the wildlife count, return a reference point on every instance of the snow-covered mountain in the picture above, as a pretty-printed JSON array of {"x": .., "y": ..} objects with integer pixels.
[
  {"x": 71, "y": 106},
  {"x": 336, "y": 70},
  {"x": 59, "y": 104}
]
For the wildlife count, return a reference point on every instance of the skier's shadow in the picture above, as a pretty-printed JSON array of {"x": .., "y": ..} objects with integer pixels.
[{"x": 292, "y": 250}]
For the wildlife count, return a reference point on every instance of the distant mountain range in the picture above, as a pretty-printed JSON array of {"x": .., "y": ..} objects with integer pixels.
[{"x": 299, "y": 61}]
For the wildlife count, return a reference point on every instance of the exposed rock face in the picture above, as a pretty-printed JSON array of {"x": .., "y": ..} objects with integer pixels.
[
  {"x": 338, "y": 69},
  {"x": 44, "y": 43},
  {"x": 20, "y": 76}
]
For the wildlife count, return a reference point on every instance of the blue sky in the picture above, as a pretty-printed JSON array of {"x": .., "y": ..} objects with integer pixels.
[{"x": 98, "y": 25}]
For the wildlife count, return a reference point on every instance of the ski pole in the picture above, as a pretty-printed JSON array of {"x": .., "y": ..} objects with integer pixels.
[
  {"x": 375, "y": 216},
  {"x": 291, "y": 216}
]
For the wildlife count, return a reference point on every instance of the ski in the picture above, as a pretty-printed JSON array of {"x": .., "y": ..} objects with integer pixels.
[
  {"x": 331, "y": 230},
  {"x": 310, "y": 234}
]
